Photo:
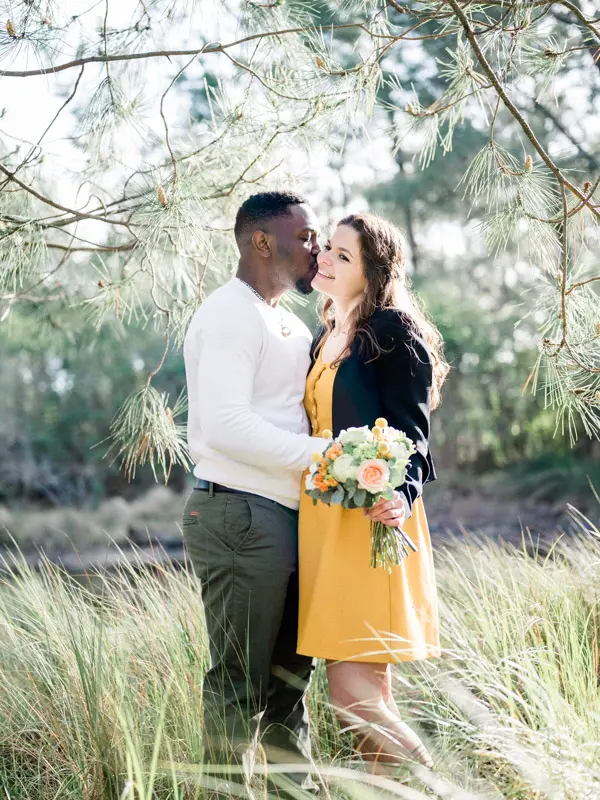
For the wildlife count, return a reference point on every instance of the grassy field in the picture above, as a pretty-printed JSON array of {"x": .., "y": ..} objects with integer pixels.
[
  {"x": 63, "y": 529},
  {"x": 101, "y": 689}
]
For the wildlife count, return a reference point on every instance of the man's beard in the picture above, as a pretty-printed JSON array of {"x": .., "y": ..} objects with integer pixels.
[{"x": 304, "y": 286}]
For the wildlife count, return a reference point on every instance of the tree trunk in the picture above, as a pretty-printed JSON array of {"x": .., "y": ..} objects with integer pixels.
[{"x": 410, "y": 234}]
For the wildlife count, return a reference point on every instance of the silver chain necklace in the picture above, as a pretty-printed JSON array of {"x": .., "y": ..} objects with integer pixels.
[{"x": 285, "y": 330}]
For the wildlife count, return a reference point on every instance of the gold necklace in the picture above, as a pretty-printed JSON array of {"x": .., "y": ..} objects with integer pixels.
[
  {"x": 336, "y": 334},
  {"x": 285, "y": 330}
]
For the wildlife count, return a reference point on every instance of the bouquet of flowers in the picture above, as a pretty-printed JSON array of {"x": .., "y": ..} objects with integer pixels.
[{"x": 359, "y": 468}]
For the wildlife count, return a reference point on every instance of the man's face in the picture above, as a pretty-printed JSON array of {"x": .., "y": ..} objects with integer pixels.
[{"x": 295, "y": 245}]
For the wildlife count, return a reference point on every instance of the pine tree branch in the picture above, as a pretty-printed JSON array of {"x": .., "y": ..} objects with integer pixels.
[
  {"x": 211, "y": 47},
  {"x": 593, "y": 49},
  {"x": 160, "y": 364},
  {"x": 247, "y": 68},
  {"x": 116, "y": 248},
  {"x": 164, "y": 119},
  {"x": 75, "y": 214},
  {"x": 61, "y": 223},
  {"x": 591, "y": 159},
  {"x": 589, "y": 24},
  {"x": 582, "y": 283},
  {"x": 487, "y": 68},
  {"x": 564, "y": 265},
  {"x": 46, "y": 275},
  {"x": 105, "y": 37},
  {"x": 37, "y": 144},
  {"x": 589, "y": 193},
  {"x": 564, "y": 269}
]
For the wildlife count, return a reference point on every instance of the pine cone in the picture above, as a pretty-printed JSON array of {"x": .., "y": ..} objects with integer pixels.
[{"x": 162, "y": 196}]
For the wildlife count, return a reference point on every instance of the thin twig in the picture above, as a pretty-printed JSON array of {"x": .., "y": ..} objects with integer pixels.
[
  {"x": 589, "y": 24},
  {"x": 105, "y": 35},
  {"x": 47, "y": 275},
  {"x": 593, "y": 162},
  {"x": 564, "y": 264},
  {"x": 160, "y": 364},
  {"x": 164, "y": 119},
  {"x": 581, "y": 283},
  {"x": 212, "y": 47},
  {"x": 76, "y": 214},
  {"x": 39, "y": 141},
  {"x": 513, "y": 109},
  {"x": 116, "y": 248}
]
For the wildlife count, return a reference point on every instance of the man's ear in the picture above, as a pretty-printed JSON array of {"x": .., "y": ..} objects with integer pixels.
[{"x": 260, "y": 242}]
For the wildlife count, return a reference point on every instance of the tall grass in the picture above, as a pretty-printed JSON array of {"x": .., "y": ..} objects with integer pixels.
[{"x": 101, "y": 685}]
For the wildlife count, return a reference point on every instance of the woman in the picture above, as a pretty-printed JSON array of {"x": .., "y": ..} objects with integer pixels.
[{"x": 376, "y": 356}]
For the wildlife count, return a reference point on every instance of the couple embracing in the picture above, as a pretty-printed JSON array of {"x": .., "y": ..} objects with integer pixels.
[{"x": 283, "y": 581}]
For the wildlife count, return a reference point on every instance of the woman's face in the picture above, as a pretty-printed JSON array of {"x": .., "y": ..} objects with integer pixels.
[{"x": 340, "y": 272}]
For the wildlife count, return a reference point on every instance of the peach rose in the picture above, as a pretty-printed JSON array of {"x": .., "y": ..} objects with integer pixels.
[{"x": 373, "y": 475}]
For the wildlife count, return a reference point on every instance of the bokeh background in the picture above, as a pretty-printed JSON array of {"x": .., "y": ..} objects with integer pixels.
[{"x": 503, "y": 463}]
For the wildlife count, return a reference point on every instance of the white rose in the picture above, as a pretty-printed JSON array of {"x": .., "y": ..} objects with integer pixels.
[
  {"x": 309, "y": 483},
  {"x": 399, "y": 450},
  {"x": 343, "y": 468},
  {"x": 355, "y": 436}
]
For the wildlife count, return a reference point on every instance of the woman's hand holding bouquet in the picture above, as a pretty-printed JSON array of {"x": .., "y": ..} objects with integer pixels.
[{"x": 361, "y": 467}]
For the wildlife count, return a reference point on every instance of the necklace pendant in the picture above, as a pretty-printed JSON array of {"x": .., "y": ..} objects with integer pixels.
[{"x": 285, "y": 331}]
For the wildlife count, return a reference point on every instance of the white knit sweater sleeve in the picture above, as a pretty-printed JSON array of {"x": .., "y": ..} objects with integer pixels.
[{"x": 229, "y": 351}]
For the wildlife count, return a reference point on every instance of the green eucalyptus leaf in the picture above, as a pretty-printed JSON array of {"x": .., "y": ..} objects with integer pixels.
[
  {"x": 360, "y": 498},
  {"x": 337, "y": 496}
]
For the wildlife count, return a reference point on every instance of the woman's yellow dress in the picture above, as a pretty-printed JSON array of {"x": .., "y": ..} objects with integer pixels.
[{"x": 350, "y": 611}]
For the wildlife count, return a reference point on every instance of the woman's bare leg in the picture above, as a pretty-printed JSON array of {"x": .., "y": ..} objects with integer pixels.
[
  {"x": 361, "y": 696},
  {"x": 420, "y": 752}
]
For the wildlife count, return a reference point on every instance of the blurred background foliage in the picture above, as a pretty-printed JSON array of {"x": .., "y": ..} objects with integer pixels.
[
  {"x": 63, "y": 379},
  {"x": 59, "y": 393}
]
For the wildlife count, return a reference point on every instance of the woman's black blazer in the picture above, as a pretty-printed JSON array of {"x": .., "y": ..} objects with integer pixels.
[{"x": 395, "y": 385}]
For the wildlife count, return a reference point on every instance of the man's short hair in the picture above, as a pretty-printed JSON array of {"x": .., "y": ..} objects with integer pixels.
[{"x": 260, "y": 208}]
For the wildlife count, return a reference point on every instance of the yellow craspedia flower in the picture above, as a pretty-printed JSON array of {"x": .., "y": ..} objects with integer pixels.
[
  {"x": 384, "y": 448},
  {"x": 327, "y": 434},
  {"x": 316, "y": 457},
  {"x": 381, "y": 422},
  {"x": 377, "y": 431}
]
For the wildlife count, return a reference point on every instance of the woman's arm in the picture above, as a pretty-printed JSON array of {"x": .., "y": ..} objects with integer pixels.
[{"x": 404, "y": 375}]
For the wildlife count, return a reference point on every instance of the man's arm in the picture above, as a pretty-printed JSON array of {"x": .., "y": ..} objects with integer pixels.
[{"x": 229, "y": 355}]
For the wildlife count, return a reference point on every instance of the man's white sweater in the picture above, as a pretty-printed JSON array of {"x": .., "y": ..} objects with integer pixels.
[{"x": 247, "y": 428}]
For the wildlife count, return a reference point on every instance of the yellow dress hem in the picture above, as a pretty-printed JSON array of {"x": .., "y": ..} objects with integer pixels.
[{"x": 393, "y": 657}]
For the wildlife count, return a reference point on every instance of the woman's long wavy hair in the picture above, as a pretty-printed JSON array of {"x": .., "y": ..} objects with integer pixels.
[{"x": 382, "y": 249}]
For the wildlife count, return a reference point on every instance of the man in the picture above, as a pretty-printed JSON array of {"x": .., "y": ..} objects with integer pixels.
[{"x": 246, "y": 362}]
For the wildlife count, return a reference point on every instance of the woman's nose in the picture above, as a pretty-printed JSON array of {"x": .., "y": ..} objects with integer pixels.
[{"x": 322, "y": 257}]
